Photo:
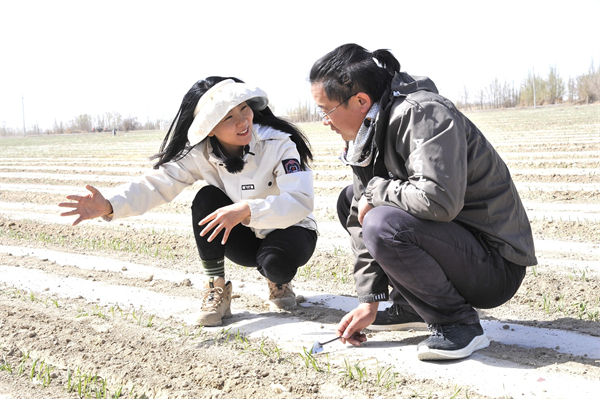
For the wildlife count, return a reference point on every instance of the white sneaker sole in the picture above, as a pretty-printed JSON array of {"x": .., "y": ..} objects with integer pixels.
[{"x": 479, "y": 342}]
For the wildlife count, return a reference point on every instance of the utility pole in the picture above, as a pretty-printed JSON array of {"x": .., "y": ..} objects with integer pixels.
[{"x": 23, "y": 108}]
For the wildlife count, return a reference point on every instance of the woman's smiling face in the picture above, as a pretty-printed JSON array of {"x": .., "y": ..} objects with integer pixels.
[{"x": 234, "y": 131}]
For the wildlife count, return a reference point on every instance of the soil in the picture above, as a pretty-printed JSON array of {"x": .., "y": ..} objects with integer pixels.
[{"x": 54, "y": 346}]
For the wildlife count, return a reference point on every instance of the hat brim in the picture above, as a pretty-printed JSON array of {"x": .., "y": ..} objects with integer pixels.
[{"x": 216, "y": 103}]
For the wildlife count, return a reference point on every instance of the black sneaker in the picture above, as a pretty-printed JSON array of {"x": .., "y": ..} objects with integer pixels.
[
  {"x": 396, "y": 319},
  {"x": 452, "y": 341}
]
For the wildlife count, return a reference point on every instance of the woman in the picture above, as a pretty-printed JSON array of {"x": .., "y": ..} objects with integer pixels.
[{"x": 255, "y": 208}]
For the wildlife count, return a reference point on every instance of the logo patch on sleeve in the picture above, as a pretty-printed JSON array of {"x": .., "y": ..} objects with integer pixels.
[
  {"x": 247, "y": 186},
  {"x": 291, "y": 165}
]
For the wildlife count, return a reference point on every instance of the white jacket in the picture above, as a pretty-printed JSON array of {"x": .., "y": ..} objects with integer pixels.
[{"x": 277, "y": 199}]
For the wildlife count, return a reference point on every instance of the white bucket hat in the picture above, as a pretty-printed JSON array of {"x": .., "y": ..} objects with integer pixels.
[{"x": 214, "y": 105}]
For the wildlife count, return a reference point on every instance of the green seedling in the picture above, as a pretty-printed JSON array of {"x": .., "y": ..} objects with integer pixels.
[
  {"x": 580, "y": 308},
  {"x": 117, "y": 394},
  {"x": 22, "y": 364},
  {"x": 338, "y": 251},
  {"x": 69, "y": 375},
  {"x": 6, "y": 366},
  {"x": 386, "y": 377},
  {"x": 46, "y": 375},
  {"x": 546, "y": 303},
  {"x": 263, "y": 349},
  {"x": 456, "y": 393},
  {"x": 32, "y": 372},
  {"x": 134, "y": 316},
  {"x": 310, "y": 360},
  {"x": 348, "y": 371}
]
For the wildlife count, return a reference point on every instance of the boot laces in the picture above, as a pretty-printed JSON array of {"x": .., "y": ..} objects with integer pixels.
[
  {"x": 211, "y": 298},
  {"x": 279, "y": 290}
]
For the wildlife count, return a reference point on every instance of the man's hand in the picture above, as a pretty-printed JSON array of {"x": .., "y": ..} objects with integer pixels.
[
  {"x": 226, "y": 218},
  {"x": 363, "y": 208},
  {"x": 89, "y": 207},
  {"x": 351, "y": 325}
]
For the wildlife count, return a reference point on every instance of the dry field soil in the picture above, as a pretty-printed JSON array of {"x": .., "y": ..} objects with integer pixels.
[{"x": 105, "y": 310}]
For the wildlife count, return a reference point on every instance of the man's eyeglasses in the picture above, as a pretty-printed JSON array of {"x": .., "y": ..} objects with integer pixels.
[{"x": 324, "y": 115}]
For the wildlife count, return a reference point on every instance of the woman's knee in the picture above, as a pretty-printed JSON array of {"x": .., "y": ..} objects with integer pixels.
[
  {"x": 278, "y": 265},
  {"x": 208, "y": 199},
  {"x": 278, "y": 269}
]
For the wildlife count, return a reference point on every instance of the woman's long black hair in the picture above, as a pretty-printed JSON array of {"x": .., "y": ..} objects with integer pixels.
[{"x": 175, "y": 145}]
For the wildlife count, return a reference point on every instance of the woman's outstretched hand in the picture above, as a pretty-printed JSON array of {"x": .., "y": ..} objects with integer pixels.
[
  {"x": 226, "y": 218},
  {"x": 87, "y": 207}
]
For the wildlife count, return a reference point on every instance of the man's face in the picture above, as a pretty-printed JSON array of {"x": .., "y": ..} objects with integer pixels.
[{"x": 346, "y": 119}]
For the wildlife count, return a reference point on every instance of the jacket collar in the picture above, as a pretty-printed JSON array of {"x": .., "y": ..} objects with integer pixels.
[
  {"x": 404, "y": 84},
  {"x": 215, "y": 154}
]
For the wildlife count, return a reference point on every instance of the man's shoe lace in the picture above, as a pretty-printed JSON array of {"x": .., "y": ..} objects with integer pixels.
[
  {"x": 438, "y": 330},
  {"x": 394, "y": 310}
]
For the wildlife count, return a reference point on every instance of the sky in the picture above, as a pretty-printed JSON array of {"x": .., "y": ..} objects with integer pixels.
[{"x": 60, "y": 59}]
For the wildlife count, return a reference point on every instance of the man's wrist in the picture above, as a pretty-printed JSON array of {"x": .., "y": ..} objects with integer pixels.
[{"x": 111, "y": 211}]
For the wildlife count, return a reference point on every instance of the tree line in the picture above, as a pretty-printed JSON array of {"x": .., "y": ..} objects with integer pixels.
[
  {"x": 535, "y": 90},
  {"x": 88, "y": 123}
]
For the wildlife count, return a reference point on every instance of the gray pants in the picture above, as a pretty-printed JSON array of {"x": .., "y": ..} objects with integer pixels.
[{"x": 438, "y": 270}]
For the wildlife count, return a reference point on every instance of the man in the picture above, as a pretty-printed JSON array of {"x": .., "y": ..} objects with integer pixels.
[{"x": 433, "y": 211}]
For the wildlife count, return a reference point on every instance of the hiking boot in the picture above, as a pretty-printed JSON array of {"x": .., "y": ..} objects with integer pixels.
[
  {"x": 452, "y": 341},
  {"x": 216, "y": 302},
  {"x": 395, "y": 318},
  {"x": 281, "y": 296}
]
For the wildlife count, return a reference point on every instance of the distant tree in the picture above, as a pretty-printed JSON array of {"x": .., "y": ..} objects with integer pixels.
[
  {"x": 571, "y": 90},
  {"x": 493, "y": 94},
  {"x": 100, "y": 123},
  {"x": 58, "y": 127},
  {"x": 130, "y": 123},
  {"x": 113, "y": 120},
  {"x": 149, "y": 125},
  {"x": 555, "y": 87},
  {"x": 530, "y": 96},
  {"x": 81, "y": 123},
  {"x": 303, "y": 113},
  {"x": 480, "y": 98},
  {"x": 500, "y": 95},
  {"x": 588, "y": 85},
  {"x": 463, "y": 101},
  {"x": 6, "y": 131}
]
